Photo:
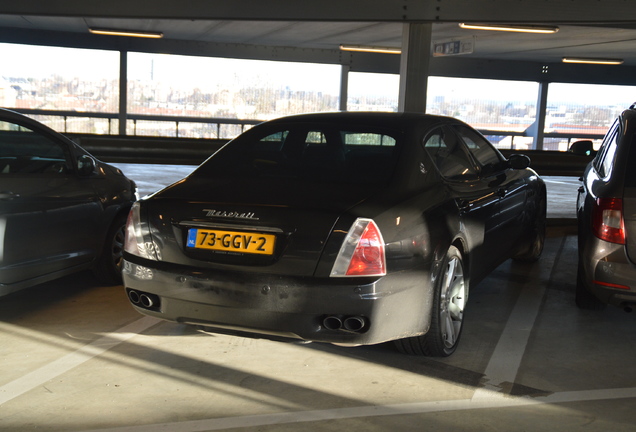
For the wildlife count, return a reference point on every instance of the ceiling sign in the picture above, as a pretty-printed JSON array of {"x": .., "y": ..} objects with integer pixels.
[{"x": 454, "y": 47}]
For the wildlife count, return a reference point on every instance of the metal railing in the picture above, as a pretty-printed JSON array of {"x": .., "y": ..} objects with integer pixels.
[
  {"x": 113, "y": 118},
  {"x": 566, "y": 137}
]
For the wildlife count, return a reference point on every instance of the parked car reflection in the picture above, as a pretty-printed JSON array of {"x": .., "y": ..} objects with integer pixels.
[
  {"x": 61, "y": 210},
  {"x": 348, "y": 228}
]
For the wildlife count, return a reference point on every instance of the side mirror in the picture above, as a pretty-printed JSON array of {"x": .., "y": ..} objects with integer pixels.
[
  {"x": 582, "y": 148},
  {"x": 85, "y": 165},
  {"x": 518, "y": 161}
]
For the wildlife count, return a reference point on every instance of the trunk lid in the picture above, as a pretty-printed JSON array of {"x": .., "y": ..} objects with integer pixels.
[{"x": 268, "y": 225}]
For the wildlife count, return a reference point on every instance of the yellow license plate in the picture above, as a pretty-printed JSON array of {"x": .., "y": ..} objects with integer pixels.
[{"x": 231, "y": 241}]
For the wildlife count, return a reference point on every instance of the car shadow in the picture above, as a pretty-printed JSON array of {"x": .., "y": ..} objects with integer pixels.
[{"x": 41, "y": 296}]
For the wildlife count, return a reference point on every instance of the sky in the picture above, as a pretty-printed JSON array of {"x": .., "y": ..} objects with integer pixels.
[
  {"x": 208, "y": 72},
  {"x": 39, "y": 62}
]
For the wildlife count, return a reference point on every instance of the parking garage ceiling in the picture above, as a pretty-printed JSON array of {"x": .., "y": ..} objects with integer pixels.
[{"x": 311, "y": 30}]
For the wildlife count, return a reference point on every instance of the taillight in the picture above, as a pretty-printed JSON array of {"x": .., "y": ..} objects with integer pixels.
[
  {"x": 607, "y": 220},
  {"x": 362, "y": 252},
  {"x": 138, "y": 240}
]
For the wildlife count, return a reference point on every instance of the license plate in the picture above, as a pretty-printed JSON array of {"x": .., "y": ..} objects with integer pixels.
[{"x": 231, "y": 241}]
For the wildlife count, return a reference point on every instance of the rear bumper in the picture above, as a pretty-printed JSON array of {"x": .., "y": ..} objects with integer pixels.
[
  {"x": 392, "y": 307},
  {"x": 609, "y": 274}
]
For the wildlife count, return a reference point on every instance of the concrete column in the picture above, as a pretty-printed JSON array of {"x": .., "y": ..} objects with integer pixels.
[
  {"x": 414, "y": 66},
  {"x": 537, "y": 128},
  {"x": 344, "y": 86},
  {"x": 123, "y": 91}
]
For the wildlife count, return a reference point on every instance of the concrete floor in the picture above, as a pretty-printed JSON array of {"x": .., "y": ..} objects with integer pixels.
[{"x": 76, "y": 357}]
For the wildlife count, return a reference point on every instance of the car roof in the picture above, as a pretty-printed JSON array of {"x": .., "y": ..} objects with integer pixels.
[
  {"x": 7, "y": 114},
  {"x": 386, "y": 119},
  {"x": 10, "y": 114},
  {"x": 14, "y": 116}
]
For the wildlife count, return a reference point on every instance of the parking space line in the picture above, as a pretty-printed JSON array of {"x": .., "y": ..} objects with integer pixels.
[
  {"x": 505, "y": 361},
  {"x": 574, "y": 181},
  {"x": 497, "y": 401},
  {"x": 39, "y": 376}
]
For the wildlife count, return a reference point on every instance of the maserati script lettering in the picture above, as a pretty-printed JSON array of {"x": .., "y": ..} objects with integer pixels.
[{"x": 230, "y": 214}]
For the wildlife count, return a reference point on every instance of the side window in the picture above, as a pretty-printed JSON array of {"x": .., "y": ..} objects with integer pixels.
[
  {"x": 448, "y": 155},
  {"x": 266, "y": 151},
  {"x": 322, "y": 154},
  {"x": 23, "y": 151},
  {"x": 367, "y": 139},
  {"x": 605, "y": 157},
  {"x": 479, "y": 147},
  {"x": 273, "y": 142},
  {"x": 369, "y": 155},
  {"x": 315, "y": 138}
]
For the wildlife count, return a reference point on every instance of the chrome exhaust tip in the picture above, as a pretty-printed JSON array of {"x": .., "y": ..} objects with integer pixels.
[
  {"x": 134, "y": 297},
  {"x": 332, "y": 322},
  {"x": 354, "y": 323},
  {"x": 146, "y": 301}
]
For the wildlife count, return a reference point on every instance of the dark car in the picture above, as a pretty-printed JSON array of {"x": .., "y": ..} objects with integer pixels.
[
  {"x": 348, "y": 228},
  {"x": 606, "y": 211},
  {"x": 61, "y": 210}
]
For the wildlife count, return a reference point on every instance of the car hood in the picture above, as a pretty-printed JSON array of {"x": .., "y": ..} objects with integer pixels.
[{"x": 301, "y": 215}]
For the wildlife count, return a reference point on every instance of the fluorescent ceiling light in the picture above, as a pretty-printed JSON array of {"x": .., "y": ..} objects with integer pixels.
[
  {"x": 372, "y": 49},
  {"x": 512, "y": 28},
  {"x": 130, "y": 33},
  {"x": 589, "y": 60}
]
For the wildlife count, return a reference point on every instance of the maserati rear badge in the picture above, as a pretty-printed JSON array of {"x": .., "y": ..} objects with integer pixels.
[{"x": 230, "y": 214}]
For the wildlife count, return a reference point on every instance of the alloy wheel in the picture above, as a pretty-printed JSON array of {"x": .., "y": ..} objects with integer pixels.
[{"x": 452, "y": 302}]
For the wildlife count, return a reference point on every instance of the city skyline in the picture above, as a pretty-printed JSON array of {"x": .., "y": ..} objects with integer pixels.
[{"x": 211, "y": 72}]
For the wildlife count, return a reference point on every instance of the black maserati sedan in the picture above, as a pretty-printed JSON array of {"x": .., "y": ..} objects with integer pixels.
[
  {"x": 606, "y": 213},
  {"x": 346, "y": 228},
  {"x": 61, "y": 210}
]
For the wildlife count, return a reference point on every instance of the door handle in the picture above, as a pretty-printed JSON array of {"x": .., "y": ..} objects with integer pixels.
[{"x": 8, "y": 195}]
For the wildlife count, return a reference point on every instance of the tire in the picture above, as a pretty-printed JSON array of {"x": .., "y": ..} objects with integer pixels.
[
  {"x": 583, "y": 298},
  {"x": 108, "y": 267},
  {"x": 450, "y": 297},
  {"x": 535, "y": 249}
]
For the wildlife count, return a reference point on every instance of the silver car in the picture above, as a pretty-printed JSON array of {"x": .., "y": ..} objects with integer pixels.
[{"x": 606, "y": 211}]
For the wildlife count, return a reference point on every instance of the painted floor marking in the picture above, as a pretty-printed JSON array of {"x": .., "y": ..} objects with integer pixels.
[
  {"x": 505, "y": 361},
  {"x": 40, "y": 376},
  {"x": 498, "y": 400}
]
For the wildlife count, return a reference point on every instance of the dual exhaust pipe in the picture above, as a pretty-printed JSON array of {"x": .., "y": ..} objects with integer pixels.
[
  {"x": 143, "y": 300},
  {"x": 355, "y": 324}
]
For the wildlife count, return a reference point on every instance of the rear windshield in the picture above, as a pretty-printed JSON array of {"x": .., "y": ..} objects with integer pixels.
[{"x": 315, "y": 152}]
